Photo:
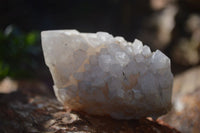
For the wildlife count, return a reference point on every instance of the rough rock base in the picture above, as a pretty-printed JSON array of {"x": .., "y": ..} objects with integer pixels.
[{"x": 21, "y": 111}]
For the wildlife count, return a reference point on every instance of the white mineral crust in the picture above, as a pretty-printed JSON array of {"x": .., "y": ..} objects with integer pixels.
[{"x": 100, "y": 74}]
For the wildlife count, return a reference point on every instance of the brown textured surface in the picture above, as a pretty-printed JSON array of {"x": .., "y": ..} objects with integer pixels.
[
  {"x": 22, "y": 111},
  {"x": 185, "y": 115},
  {"x": 188, "y": 119}
]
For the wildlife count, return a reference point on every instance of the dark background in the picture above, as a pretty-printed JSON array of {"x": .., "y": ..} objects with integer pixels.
[
  {"x": 147, "y": 20},
  {"x": 114, "y": 16}
]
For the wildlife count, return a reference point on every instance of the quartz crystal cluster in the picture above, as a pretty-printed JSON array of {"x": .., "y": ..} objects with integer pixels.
[{"x": 100, "y": 74}]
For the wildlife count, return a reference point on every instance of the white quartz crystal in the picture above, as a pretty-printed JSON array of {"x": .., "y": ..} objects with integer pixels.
[{"x": 104, "y": 75}]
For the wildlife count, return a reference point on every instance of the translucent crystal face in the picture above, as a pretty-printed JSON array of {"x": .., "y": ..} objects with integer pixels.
[{"x": 104, "y": 75}]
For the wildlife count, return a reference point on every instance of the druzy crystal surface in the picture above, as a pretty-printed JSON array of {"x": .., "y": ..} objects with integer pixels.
[{"x": 100, "y": 74}]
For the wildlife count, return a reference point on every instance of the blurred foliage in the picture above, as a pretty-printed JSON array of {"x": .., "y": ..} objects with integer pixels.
[{"x": 19, "y": 52}]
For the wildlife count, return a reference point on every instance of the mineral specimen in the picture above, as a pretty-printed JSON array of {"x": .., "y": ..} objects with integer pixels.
[{"x": 104, "y": 75}]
